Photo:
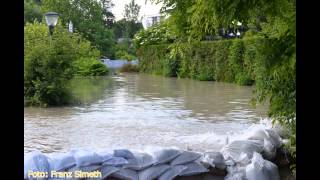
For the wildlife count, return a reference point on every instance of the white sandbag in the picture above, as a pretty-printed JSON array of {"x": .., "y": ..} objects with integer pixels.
[
  {"x": 35, "y": 162},
  {"x": 243, "y": 159},
  {"x": 115, "y": 161},
  {"x": 270, "y": 142},
  {"x": 165, "y": 155},
  {"x": 268, "y": 134},
  {"x": 173, "y": 172},
  {"x": 277, "y": 140},
  {"x": 193, "y": 169},
  {"x": 140, "y": 161},
  {"x": 153, "y": 172},
  {"x": 236, "y": 176},
  {"x": 61, "y": 161},
  {"x": 259, "y": 134},
  {"x": 269, "y": 150},
  {"x": 214, "y": 159},
  {"x": 236, "y": 172},
  {"x": 107, "y": 171},
  {"x": 237, "y": 148},
  {"x": 230, "y": 162},
  {"x": 126, "y": 174},
  {"x": 185, "y": 157},
  {"x": 123, "y": 153},
  {"x": 105, "y": 155},
  {"x": 261, "y": 169},
  {"x": 86, "y": 158}
]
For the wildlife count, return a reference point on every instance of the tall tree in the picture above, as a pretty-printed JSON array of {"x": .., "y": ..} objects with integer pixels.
[
  {"x": 108, "y": 16},
  {"x": 88, "y": 18},
  {"x": 131, "y": 11},
  {"x": 32, "y": 11}
]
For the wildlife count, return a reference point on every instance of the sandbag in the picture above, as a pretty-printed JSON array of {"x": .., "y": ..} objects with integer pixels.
[
  {"x": 193, "y": 169},
  {"x": 115, "y": 161},
  {"x": 108, "y": 170},
  {"x": 267, "y": 134},
  {"x": 153, "y": 172},
  {"x": 236, "y": 172},
  {"x": 259, "y": 134},
  {"x": 277, "y": 140},
  {"x": 123, "y": 153},
  {"x": 173, "y": 172},
  {"x": 140, "y": 161},
  {"x": 261, "y": 169},
  {"x": 237, "y": 148},
  {"x": 105, "y": 155},
  {"x": 165, "y": 156},
  {"x": 185, "y": 157},
  {"x": 35, "y": 161},
  {"x": 214, "y": 159},
  {"x": 269, "y": 150},
  {"x": 61, "y": 161},
  {"x": 86, "y": 158},
  {"x": 126, "y": 174},
  {"x": 236, "y": 176}
]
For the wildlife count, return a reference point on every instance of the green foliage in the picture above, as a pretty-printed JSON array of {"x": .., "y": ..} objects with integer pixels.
[
  {"x": 31, "y": 11},
  {"x": 206, "y": 61},
  {"x": 89, "y": 18},
  {"x": 236, "y": 61},
  {"x": 126, "y": 29},
  {"x": 125, "y": 50},
  {"x": 122, "y": 54},
  {"x": 90, "y": 67},
  {"x": 157, "y": 34},
  {"x": 129, "y": 68},
  {"x": 48, "y": 63},
  {"x": 131, "y": 11}
]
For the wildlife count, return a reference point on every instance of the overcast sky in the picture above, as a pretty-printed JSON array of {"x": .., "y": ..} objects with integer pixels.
[{"x": 145, "y": 10}]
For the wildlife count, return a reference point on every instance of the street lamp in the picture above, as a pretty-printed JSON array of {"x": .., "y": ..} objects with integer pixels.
[{"x": 51, "y": 20}]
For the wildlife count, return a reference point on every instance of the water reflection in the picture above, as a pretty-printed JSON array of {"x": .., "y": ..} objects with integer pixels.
[{"x": 138, "y": 110}]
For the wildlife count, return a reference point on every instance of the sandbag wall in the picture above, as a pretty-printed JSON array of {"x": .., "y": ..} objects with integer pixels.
[{"x": 241, "y": 159}]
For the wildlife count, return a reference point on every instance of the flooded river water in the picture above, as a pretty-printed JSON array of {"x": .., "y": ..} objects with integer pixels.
[{"x": 137, "y": 111}]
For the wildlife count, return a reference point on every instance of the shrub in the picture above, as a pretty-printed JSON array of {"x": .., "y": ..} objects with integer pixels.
[
  {"x": 48, "y": 63},
  {"x": 90, "y": 67},
  {"x": 124, "y": 55},
  {"x": 206, "y": 61},
  {"x": 157, "y": 34}
]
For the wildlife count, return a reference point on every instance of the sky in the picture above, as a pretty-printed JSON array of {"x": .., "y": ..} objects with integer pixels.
[{"x": 145, "y": 10}]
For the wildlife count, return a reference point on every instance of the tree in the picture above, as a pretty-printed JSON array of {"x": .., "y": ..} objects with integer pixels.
[
  {"x": 32, "y": 11},
  {"x": 49, "y": 64},
  {"x": 131, "y": 11},
  {"x": 124, "y": 28},
  {"x": 88, "y": 18},
  {"x": 108, "y": 16}
]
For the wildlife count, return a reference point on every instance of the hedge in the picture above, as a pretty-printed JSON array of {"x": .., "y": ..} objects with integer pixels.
[{"x": 225, "y": 60}]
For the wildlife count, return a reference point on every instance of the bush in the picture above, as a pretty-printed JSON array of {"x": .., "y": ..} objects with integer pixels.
[
  {"x": 90, "y": 67},
  {"x": 49, "y": 64},
  {"x": 157, "y": 34},
  {"x": 122, "y": 54}
]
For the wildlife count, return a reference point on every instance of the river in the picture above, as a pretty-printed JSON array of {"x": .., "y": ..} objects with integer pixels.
[{"x": 139, "y": 111}]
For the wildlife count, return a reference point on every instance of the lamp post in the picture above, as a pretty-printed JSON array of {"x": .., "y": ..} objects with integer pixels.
[{"x": 51, "y": 20}]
